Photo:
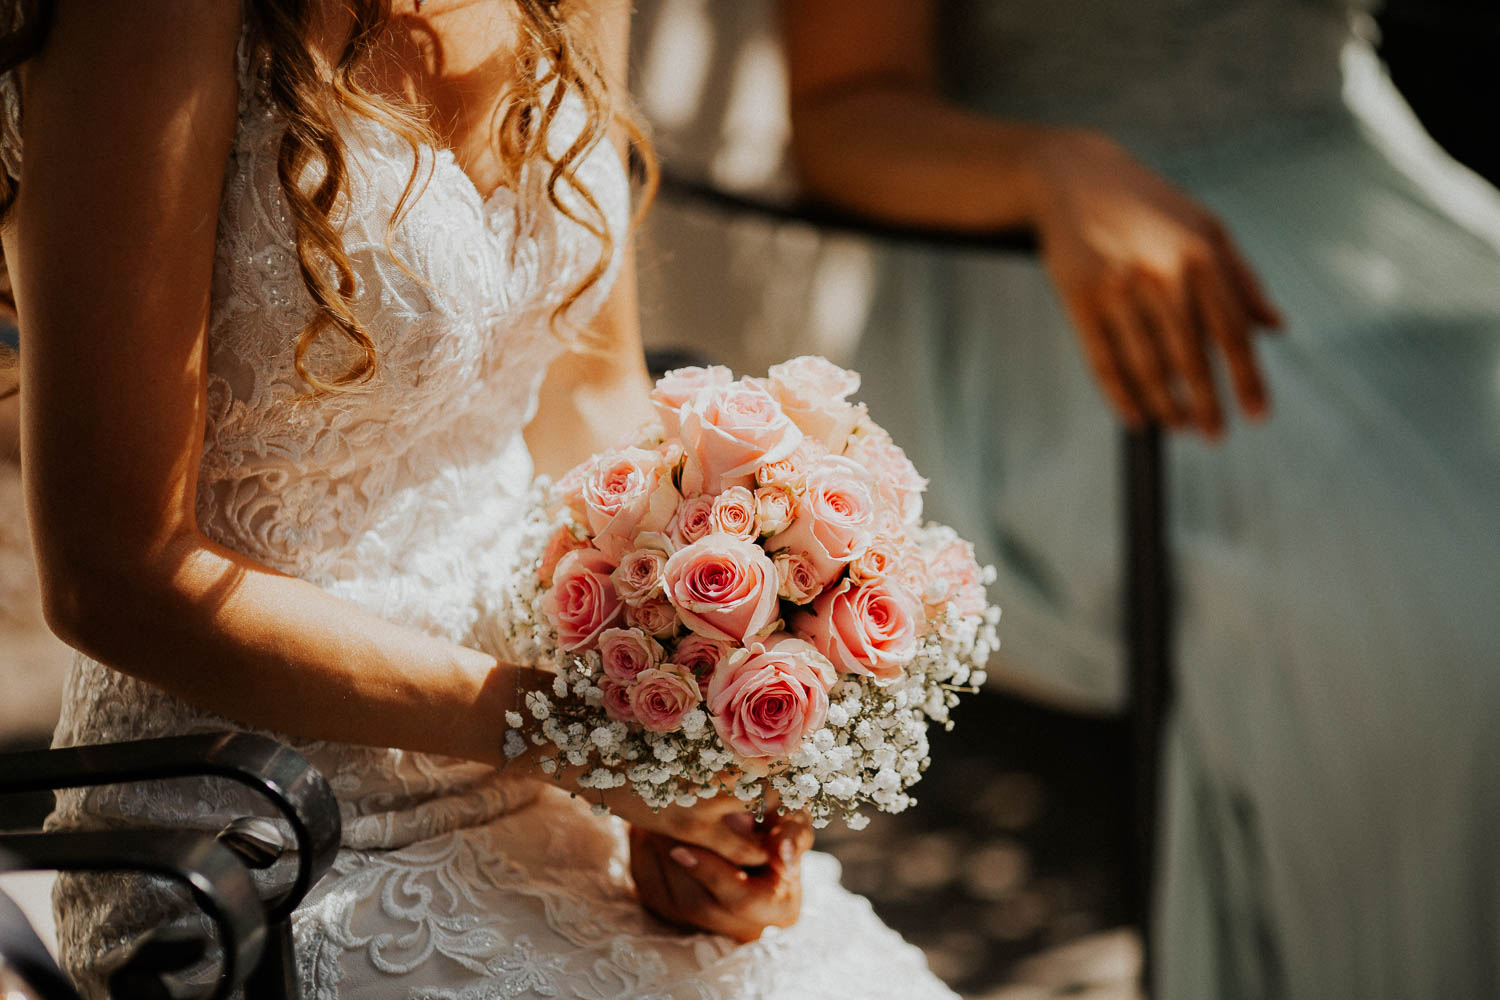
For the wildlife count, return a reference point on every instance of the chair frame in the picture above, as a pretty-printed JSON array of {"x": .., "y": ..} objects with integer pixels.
[{"x": 259, "y": 952}]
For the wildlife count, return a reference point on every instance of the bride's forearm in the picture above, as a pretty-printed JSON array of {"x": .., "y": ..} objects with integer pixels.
[{"x": 268, "y": 650}]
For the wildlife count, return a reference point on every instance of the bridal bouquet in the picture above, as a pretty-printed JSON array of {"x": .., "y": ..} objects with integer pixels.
[{"x": 745, "y": 598}]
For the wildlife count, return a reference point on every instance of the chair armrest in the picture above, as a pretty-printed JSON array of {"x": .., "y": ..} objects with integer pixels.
[
  {"x": 211, "y": 872},
  {"x": 275, "y": 771}
]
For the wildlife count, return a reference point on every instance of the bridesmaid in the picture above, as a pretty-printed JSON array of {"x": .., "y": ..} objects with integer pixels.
[{"x": 1333, "y": 793}]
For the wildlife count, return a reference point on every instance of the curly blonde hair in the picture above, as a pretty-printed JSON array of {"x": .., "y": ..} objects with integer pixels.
[{"x": 554, "y": 63}]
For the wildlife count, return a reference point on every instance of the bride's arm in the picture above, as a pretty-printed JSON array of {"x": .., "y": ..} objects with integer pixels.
[
  {"x": 1151, "y": 280},
  {"x": 592, "y": 398},
  {"x": 130, "y": 111}
]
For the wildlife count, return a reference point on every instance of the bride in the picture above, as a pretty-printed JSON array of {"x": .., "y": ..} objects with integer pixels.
[{"x": 303, "y": 288}]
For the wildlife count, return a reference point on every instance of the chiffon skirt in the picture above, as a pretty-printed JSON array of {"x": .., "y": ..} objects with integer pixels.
[{"x": 1334, "y": 765}]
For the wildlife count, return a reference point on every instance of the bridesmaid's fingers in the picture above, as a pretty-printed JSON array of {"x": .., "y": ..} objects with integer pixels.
[
  {"x": 1171, "y": 315},
  {"x": 1144, "y": 360},
  {"x": 1220, "y": 310},
  {"x": 1252, "y": 293},
  {"x": 1109, "y": 371}
]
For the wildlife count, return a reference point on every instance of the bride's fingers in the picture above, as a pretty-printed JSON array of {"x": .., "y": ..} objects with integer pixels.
[
  {"x": 727, "y": 883},
  {"x": 791, "y": 837}
]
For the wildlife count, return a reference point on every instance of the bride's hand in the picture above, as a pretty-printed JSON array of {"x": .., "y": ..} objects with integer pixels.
[
  {"x": 687, "y": 885},
  {"x": 1151, "y": 279},
  {"x": 723, "y": 825}
]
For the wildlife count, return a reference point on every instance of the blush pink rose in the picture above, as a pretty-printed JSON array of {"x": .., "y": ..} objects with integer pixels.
[
  {"x": 680, "y": 385},
  {"x": 766, "y": 698},
  {"x": 791, "y": 472},
  {"x": 797, "y": 579},
  {"x": 560, "y": 544},
  {"x": 723, "y": 588},
  {"x": 638, "y": 577},
  {"x": 879, "y": 561},
  {"x": 835, "y": 519},
  {"x": 869, "y": 630},
  {"x": 655, "y": 616},
  {"x": 625, "y": 652},
  {"x": 570, "y": 491},
  {"x": 617, "y": 699},
  {"x": 811, "y": 390},
  {"x": 662, "y": 695},
  {"x": 700, "y": 654},
  {"x": 897, "y": 483},
  {"x": 582, "y": 602},
  {"x": 954, "y": 577},
  {"x": 694, "y": 520},
  {"x": 730, "y": 431},
  {"x": 734, "y": 512},
  {"x": 626, "y": 492},
  {"x": 774, "y": 506}
]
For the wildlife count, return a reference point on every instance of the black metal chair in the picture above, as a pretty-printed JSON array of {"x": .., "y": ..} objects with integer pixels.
[{"x": 253, "y": 933}]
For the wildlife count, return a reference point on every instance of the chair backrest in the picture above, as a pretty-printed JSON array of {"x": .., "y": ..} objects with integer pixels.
[{"x": 25, "y": 958}]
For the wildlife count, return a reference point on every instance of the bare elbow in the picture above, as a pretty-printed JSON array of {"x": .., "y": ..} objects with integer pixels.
[{"x": 101, "y": 600}]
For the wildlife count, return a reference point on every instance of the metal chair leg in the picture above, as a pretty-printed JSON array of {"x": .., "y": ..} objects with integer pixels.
[{"x": 1147, "y": 600}]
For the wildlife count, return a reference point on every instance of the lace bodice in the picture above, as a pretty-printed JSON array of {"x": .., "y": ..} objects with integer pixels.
[
  {"x": 1158, "y": 74},
  {"x": 399, "y": 498}
]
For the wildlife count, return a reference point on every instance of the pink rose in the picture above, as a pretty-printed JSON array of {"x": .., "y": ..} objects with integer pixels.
[
  {"x": 811, "y": 390},
  {"x": 694, "y": 520},
  {"x": 896, "y": 480},
  {"x": 560, "y": 544},
  {"x": 877, "y": 562},
  {"x": 723, "y": 588},
  {"x": 869, "y": 630},
  {"x": 774, "y": 506},
  {"x": 570, "y": 491},
  {"x": 954, "y": 577},
  {"x": 766, "y": 698},
  {"x": 791, "y": 472},
  {"x": 638, "y": 577},
  {"x": 626, "y": 492},
  {"x": 734, "y": 512},
  {"x": 835, "y": 519},
  {"x": 625, "y": 652},
  {"x": 700, "y": 654},
  {"x": 730, "y": 431},
  {"x": 655, "y": 616},
  {"x": 616, "y": 699},
  {"x": 662, "y": 695},
  {"x": 582, "y": 602},
  {"x": 797, "y": 579},
  {"x": 680, "y": 385}
]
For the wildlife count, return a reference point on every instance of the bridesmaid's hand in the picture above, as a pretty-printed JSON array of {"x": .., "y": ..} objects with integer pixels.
[
  {"x": 1151, "y": 280},
  {"x": 687, "y": 885}
]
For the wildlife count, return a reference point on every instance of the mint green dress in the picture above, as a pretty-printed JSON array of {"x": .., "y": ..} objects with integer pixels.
[{"x": 1332, "y": 823}]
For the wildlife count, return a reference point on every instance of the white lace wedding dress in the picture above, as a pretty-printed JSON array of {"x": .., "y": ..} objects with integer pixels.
[{"x": 452, "y": 881}]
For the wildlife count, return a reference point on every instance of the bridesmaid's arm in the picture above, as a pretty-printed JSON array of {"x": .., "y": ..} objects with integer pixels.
[{"x": 1153, "y": 282}]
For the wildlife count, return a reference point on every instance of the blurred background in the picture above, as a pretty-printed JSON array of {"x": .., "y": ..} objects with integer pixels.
[{"x": 1010, "y": 871}]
